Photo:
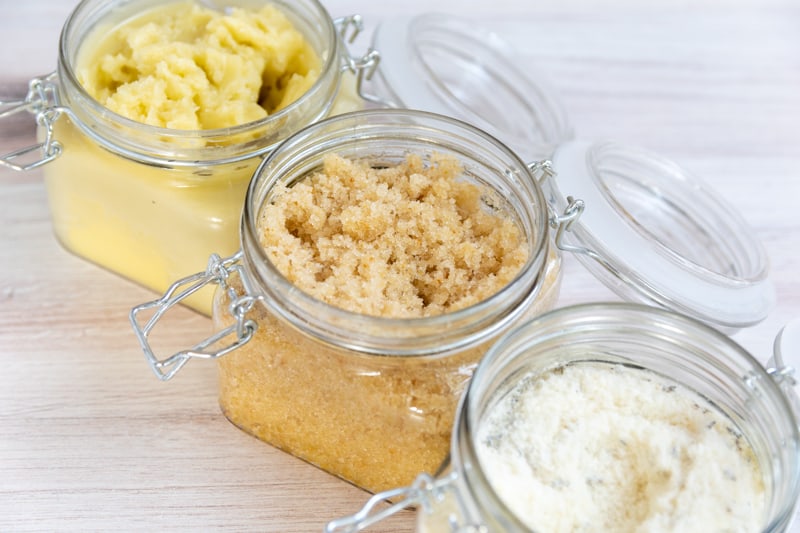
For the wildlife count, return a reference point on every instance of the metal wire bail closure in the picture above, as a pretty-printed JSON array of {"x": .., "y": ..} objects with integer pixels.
[
  {"x": 784, "y": 364},
  {"x": 426, "y": 491},
  {"x": 41, "y": 101},
  {"x": 363, "y": 67},
  {"x": 560, "y": 223},
  {"x": 218, "y": 272}
]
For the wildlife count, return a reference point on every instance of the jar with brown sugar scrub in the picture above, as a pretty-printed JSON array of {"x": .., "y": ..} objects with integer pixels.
[{"x": 382, "y": 253}]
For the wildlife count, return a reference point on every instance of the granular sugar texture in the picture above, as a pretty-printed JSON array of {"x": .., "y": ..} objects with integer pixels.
[{"x": 409, "y": 240}]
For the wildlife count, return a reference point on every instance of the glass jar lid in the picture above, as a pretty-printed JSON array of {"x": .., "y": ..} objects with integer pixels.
[
  {"x": 656, "y": 234},
  {"x": 445, "y": 65}
]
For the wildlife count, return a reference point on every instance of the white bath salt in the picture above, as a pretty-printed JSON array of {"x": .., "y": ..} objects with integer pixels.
[{"x": 599, "y": 447}]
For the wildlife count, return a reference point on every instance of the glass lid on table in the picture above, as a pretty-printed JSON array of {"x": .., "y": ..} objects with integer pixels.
[{"x": 656, "y": 234}]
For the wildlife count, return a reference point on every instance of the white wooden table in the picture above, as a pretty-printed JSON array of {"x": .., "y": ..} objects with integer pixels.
[{"x": 91, "y": 440}]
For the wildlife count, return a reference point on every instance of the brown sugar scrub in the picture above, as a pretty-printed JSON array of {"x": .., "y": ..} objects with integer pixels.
[
  {"x": 407, "y": 240},
  {"x": 402, "y": 241}
]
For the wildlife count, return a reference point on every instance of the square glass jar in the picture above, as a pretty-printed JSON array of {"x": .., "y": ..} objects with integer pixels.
[{"x": 368, "y": 398}]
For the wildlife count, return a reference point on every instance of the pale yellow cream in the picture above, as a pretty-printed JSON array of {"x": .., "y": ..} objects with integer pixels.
[{"x": 183, "y": 66}]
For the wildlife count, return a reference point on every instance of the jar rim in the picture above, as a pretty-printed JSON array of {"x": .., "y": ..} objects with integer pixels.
[
  {"x": 497, "y": 369},
  {"x": 108, "y": 131},
  {"x": 283, "y": 297}
]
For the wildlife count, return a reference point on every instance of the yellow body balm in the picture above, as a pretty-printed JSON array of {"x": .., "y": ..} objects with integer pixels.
[
  {"x": 185, "y": 78},
  {"x": 189, "y": 67}
]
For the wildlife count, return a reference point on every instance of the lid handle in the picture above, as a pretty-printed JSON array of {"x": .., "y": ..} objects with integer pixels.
[
  {"x": 424, "y": 489},
  {"x": 217, "y": 272},
  {"x": 40, "y": 101}
]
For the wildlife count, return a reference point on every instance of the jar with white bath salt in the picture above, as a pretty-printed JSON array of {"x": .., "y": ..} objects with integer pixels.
[
  {"x": 159, "y": 113},
  {"x": 615, "y": 417}
]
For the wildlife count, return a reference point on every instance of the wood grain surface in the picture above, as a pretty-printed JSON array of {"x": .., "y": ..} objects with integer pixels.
[{"x": 90, "y": 440}]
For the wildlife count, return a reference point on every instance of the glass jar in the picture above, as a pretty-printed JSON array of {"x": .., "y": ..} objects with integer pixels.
[
  {"x": 150, "y": 202},
  {"x": 645, "y": 339},
  {"x": 298, "y": 371}
]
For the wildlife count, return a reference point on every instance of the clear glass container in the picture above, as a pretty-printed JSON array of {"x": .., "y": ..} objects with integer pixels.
[
  {"x": 150, "y": 202},
  {"x": 680, "y": 349},
  {"x": 299, "y": 372}
]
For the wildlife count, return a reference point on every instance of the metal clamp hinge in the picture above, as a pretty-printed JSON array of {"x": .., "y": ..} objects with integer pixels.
[
  {"x": 542, "y": 170},
  {"x": 425, "y": 491},
  {"x": 783, "y": 366},
  {"x": 563, "y": 222},
  {"x": 41, "y": 101},
  {"x": 786, "y": 346},
  {"x": 783, "y": 374},
  {"x": 218, "y": 272},
  {"x": 363, "y": 67}
]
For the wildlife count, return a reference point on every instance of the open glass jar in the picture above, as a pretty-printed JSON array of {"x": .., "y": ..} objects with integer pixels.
[
  {"x": 298, "y": 372},
  {"x": 150, "y": 202},
  {"x": 642, "y": 339}
]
